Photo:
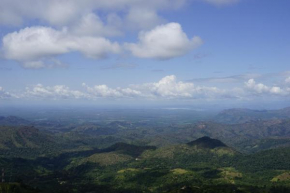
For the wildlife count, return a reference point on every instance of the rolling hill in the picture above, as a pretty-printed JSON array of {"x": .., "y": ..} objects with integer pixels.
[
  {"x": 13, "y": 121},
  {"x": 234, "y": 116}
]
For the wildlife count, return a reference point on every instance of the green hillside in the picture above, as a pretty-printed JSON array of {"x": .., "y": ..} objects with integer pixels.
[{"x": 118, "y": 155}]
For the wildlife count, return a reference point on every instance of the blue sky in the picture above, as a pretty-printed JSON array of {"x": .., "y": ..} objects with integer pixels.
[{"x": 181, "y": 52}]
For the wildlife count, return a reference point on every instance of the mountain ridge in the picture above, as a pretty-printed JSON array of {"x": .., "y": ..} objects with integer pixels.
[{"x": 243, "y": 115}]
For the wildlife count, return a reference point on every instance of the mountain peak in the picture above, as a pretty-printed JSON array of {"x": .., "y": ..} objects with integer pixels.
[{"x": 207, "y": 142}]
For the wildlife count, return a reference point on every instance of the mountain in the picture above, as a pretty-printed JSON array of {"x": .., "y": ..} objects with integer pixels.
[
  {"x": 233, "y": 116},
  {"x": 248, "y": 137},
  {"x": 21, "y": 137},
  {"x": 273, "y": 159},
  {"x": 25, "y": 141},
  {"x": 200, "y": 148},
  {"x": 30, "y": 142},
  {"x": 115, "y": 154},
  {"x": 13, "y": 121},
  {"x": 202, "y": 165},
  {"x": 207, "y": 142}
]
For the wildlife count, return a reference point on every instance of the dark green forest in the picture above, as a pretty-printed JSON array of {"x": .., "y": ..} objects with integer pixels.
[{"x": 146, "y": 151}]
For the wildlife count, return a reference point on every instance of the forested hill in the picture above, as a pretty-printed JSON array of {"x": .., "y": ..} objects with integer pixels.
[
  {"x": 207, "y": 142},
  {"x": 233, "y": 116},
  {"x": 13, "y": 121}
]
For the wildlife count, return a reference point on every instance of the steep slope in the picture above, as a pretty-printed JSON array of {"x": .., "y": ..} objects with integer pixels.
[
  {"x": 30, "y": 142},
  {"x": 25, "y": 141},
  {"x": 21, "y": 137}
]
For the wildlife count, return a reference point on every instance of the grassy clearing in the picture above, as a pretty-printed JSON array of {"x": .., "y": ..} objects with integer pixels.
[
  {"x": 229, "y": 174},
  {"x": 106, "y": 159},
  {"x": 127, "y": 170},
  {"x": 282, "y": 177},
  {"x": 179, "y": 171}
]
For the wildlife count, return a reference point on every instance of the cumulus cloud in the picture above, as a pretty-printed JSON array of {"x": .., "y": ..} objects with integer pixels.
[
  {"x": 163, "y": 42},
  {"x": 4, "y": 94},
  {"x": 91, "y": 25},
  {"x": 142, "y": 18},
  {"x": 85, "y": 26},
  {"x": 15, "y": 12},
  {"x": 54, "y": 92},
  {"x": 65, "y": 12},
  {"x": 33, "y": 45},
  {"x": 167, "y": 88},
  {"x": 36, "y": 47},
  {"x": 139, "y": 14},
  {"x": 260, "y": 88},
  {"x": 105, "y": 91}
]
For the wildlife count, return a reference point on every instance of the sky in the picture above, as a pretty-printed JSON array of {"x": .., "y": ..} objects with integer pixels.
[{"x": 145, "y": 52}]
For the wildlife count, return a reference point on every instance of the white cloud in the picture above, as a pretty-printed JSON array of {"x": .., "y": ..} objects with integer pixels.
[
  {"x": 92, "y": 25},
  {"x": 260, "y": 88},
  {"x": 36, "y": 47},
  {"x": 276, "y": 90},
  {"x": 105, "y": 91},
  {"x": 163, "y": 42},
  {"x": 55, "y": 12},
  {"x": 142, "y": 18},
  {"x": 221, "y": 2},
  {"x": 33, "y": 45},
  {"x": 83, "y": 25},
  {"x": 167, "y": 88},
  {"x": 4, "y": 94},
  {"x": 54, "y": 92},
  {"x": 65, "y": 12}
]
